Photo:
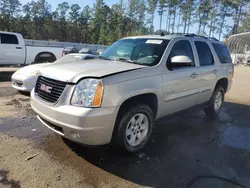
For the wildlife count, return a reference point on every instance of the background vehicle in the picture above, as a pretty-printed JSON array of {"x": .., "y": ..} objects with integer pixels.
[
  {"x": 14, "y": 50},
  {"x": 100, "y": 51},
  {"x": 85, "y": 51},
  {"x": 69, "y": 50},
  {"x": 25, "y": 78},
  {"x": 117, "y": 98}
]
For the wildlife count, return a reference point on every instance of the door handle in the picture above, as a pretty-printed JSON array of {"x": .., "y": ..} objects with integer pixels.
[
  {"x": 214, "y": 71},
  {"x": 19, "y": 48},
  {"x": 194, "y": 75}
]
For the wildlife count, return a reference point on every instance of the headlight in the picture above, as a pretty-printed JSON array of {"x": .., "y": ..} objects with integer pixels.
[{"x": 88, "y": 93}]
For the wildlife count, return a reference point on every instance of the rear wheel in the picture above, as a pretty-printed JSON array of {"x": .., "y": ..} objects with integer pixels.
[
  {"x": 134, "y": 128},
  {"x": 216, "y": 102}
]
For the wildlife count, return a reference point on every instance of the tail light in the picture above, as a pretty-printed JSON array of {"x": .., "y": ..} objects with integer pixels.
[{"x": 63, "y": 53}]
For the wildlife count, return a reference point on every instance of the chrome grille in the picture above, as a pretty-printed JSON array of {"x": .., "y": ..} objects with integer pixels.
[{"x": 49, "y": 89}]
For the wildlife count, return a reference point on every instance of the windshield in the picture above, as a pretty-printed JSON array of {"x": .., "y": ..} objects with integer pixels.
[
  {"x": 70, "y": 58},
  {"x": 140, "y": 51}
]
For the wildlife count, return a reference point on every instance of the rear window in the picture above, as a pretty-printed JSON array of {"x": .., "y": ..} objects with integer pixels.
[
  {"x": 8, "y": 39},
  {"x": 222, "y": 53}
]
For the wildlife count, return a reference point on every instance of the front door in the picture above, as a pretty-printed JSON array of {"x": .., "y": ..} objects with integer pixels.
[{"x": 180, "y": 90}]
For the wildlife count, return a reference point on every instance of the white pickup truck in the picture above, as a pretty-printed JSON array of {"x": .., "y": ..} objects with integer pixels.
[{"x": 14, "y": 51}]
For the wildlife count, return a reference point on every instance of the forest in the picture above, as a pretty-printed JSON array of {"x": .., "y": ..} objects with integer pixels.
[{"x": 103, "y": 24}]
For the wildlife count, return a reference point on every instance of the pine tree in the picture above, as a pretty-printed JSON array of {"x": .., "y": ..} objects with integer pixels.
[
  {"x": 97, "y": 21},
  {"x": 62, "y": 10},
  {"x": 225, "y": 12},
  {"x": 152, "y": 5},
  {"x": 161, "y": 10},
  {"x": 84, "y": 20}
]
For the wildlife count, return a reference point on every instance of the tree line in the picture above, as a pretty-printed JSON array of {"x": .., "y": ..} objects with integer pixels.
[{"x": 103, "y": 24}]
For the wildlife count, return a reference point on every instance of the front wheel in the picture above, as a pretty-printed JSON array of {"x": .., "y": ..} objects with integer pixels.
[
  {"x": 216, "y": 102},
  {"x": 134, "y": 128}
]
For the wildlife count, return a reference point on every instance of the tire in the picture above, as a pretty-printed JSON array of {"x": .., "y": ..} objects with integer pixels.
[
  {"x": 128, "y": 129},
  {"x": 214, "y": 106}
]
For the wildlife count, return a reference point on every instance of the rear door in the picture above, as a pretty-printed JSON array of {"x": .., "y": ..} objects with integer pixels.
[
  {"x": 180, "y": 89},
  {"x": 12, "y": 51},
  {"x": 208, "y": 69},
  {"x": 225, "y": 60}
]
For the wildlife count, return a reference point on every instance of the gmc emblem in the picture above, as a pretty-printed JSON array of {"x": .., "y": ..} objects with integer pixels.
[{"x": 48, "y": 89}]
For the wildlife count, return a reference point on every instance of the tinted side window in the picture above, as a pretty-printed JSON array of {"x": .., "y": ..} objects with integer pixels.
[
  {"x": 8, "y": 39},
  {"x": 204, "y": 53},
  {"x": 181, "y": 48},
  {"x": 222, "y": 53}
]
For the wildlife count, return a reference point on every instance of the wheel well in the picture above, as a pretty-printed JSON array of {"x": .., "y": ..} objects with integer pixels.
[
  {"x": 223, "y": 82},
  {"x": 150, "y": 99},
  {"x": 49, "y": 58}
]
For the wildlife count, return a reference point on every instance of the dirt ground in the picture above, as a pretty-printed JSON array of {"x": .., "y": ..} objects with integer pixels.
[{"x": 191, "y": 151}]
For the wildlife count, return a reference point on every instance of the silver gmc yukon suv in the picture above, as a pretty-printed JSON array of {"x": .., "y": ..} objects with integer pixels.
[{"x": 117, "y": 97}]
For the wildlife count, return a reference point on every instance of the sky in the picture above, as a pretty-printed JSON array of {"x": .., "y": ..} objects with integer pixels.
[{"x": 82, "y": 3}]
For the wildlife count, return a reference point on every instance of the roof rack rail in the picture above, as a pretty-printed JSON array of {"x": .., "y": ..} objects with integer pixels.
[
  {"x": 194, "y": 35},
  {"x": 177, "y": 34},
  {"x": 213, "y": 38},
  {"x": 189, "y": 35}
]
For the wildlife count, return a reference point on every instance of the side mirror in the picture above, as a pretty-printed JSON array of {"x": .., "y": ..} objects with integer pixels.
[{"x": 181, "y": 59}]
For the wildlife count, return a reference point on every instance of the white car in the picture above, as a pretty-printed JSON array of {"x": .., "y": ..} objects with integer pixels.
[{"x": 25, "y": 78}]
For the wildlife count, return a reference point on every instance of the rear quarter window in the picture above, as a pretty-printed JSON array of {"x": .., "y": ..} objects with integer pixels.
[{"x": 222, "y": 53}]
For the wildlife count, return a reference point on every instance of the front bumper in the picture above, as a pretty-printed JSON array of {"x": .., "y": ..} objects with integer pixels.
[
  {"x": 23, "y": 83},
  {"x": 90, "y": 126}
]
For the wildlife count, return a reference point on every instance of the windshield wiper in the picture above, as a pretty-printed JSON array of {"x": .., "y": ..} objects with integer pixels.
[
  {"x": 102, "y": 57},
  {"x": 125, "y": 60}
]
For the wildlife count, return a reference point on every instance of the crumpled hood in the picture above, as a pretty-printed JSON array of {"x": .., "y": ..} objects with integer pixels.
[
  {"x": 31, "y": 68},
  {"x": 72, "y": 72}
]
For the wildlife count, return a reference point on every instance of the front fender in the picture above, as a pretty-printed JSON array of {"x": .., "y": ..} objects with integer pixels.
[{"x": 116, "y": 94}]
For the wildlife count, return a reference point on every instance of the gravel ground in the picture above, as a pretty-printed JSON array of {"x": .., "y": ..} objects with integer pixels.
[{"x": 191, "y": 151}]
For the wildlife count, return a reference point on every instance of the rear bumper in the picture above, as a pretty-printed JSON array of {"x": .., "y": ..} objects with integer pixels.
[
  {"x": 90, "y": 126},
  {"x": 23, "y": 83}
]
